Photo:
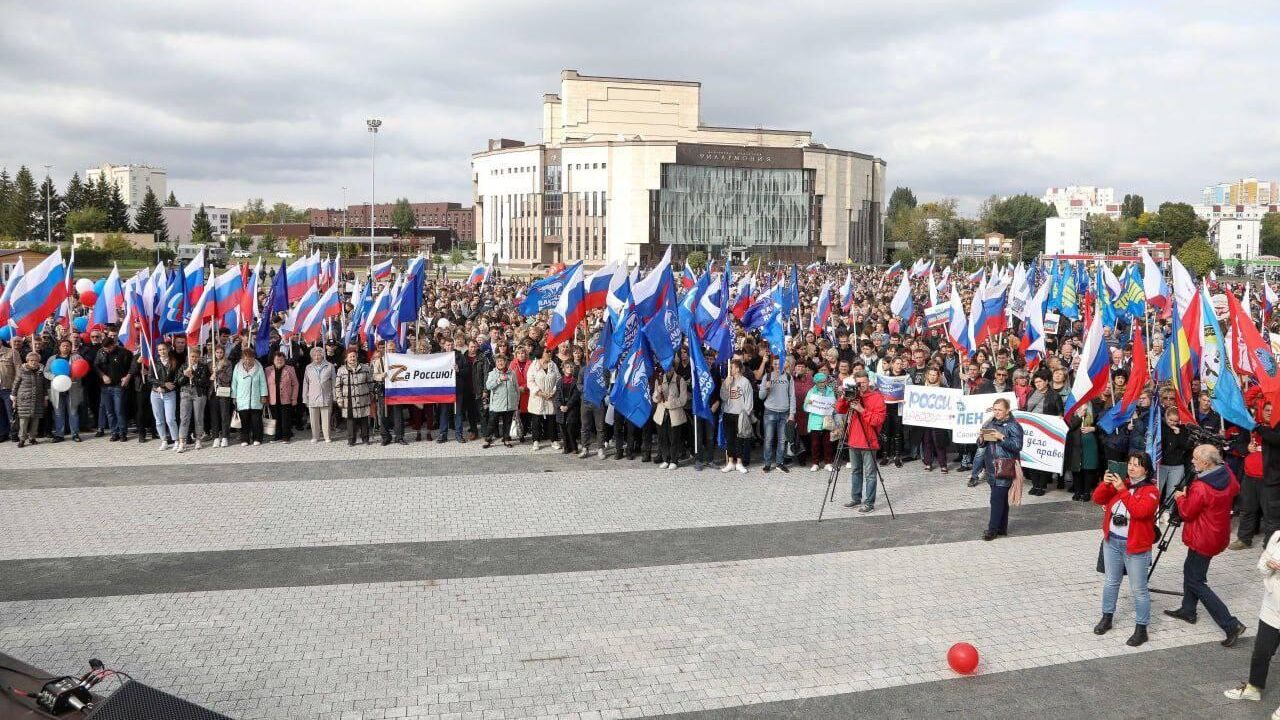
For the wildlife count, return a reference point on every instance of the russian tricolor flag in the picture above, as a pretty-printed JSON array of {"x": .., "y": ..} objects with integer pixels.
[
  {"x": 302, "y": 275},
  {"x": 327, "y": 307},
  {"x": 823, "y": 311},
  {"x": 381, "y": 271},
  {"x": 569, "y": 310},
  {"x": 38, "y": 293},
  {"x": 598, "y": 284},
  {"x": 687, "y": 277},
  {"x": 1095, "y": 368},
  {"x": 479, "y": 274},
  {"x": 193, "y": 278},
  {"x": 7, "y": 295}
]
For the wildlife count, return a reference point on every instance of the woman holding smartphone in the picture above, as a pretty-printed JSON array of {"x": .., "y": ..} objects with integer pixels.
[{"x": 1128, "y": 531}]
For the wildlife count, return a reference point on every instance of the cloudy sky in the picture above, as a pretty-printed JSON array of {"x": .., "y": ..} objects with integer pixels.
[{"x": 963, "y": 99}]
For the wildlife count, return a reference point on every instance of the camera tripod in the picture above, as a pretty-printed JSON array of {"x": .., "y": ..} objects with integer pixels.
[
  {"x": 1173, "y": 520},
  {"x": 829, "y": 493}
]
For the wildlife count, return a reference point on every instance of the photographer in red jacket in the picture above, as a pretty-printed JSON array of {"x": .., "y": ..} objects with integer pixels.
[
  {"x": 866, "y": 409},
  {"x": 1205, "y": 507}
]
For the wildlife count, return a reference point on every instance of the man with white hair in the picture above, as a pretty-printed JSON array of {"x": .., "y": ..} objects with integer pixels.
[{"x": 1205, "y": 507}]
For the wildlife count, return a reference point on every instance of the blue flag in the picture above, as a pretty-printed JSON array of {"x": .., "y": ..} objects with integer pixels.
[
  {"x": 1226, "y": 398},
  {"x": 622, "y": 337},
  {"x": 663, "y": 333},
  {"x": 689, "y": 304},
  {"x": 701, "y": 380},
  {"x": 791, "y": 300},
  {"x": 630, "y": 395},
  {"x": 545, "y": 293},
  {"x": 595, "y": 378},
  {"x": 277, "y": 301},
  {"x": 1105, "y": 301},
  {"x": 1155, "y": 418},
  {"x": 173, "y": 306}
]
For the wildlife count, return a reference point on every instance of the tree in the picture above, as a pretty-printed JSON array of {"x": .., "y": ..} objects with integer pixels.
[
  {"x": 1020, "y": 217},
  {"x": 1177, "y": 223},
  {"x": 402, "y": 216},
  {"x": 52, "y": 212},
  {"x": 697, "y": 260},
  {"x": 901, "y": 197},
  {"x": 905, "y": 231},
  {"x": 267, "y": 244},
  {"x": 6, "y": 197},
  {"x": 238, "y": 241},
  {"x": 86, "y": 220},
  {"x": 201, "y": 228},
  {"x": 1270, "y": 240},
  {"x": 294, "y": 245},
  {"x": 116, "y": 245},
  {"x": 1106, "y": 233},
  {"x": 77, "y": 194},
  {"x": 21, "y": 216},
  {"x": 99, "y": 194},
  {"x": 1132, "y": 206},
  {"x": 1198, "y": 256},
  {"x": 172, "y": 201},
  {"x": 456, "y": 257},
  {"x": 117, "y": 211},
  {"x": 151, "y": 220}
]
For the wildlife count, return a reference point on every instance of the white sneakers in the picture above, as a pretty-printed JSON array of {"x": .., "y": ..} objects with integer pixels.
[
  {"x": 828, "y": 468},
  {"x": 741, "y": 468},
  {"x": 813, "y": 468},
  {"x": 556, "y": 445},
  {"x": 537, "y": 445},
  {"x": 198, "y": 445},
  {"x": 663, "y": 466},
  {"x": 1246, "y": 692},
  {"x": 600, "y": 453},
  {"x": 315, "y": 440},
  {"x": 182, "y": 447},
  {"x": 165, "y": 446},
  {"x": 727, "y": 467}
]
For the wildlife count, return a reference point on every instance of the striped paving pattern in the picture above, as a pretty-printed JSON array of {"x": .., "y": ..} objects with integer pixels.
[{"x": 445, "y": 581}]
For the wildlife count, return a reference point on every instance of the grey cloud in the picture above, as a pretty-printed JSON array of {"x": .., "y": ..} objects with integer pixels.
[{"x": 962, "y": 99}]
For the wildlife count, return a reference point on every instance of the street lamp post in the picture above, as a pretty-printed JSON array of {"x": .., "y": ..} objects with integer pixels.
[
  {"x": 48, "y": 211},
  {"x": 344, "y": 211},
  {"x": 374, "y": 124}
]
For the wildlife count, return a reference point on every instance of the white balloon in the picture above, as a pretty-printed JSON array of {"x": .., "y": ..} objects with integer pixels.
[
  {"x": 84, "y": 285},
  {"x": 442, "y": 322},
  {"x": 61, "y": 383}
]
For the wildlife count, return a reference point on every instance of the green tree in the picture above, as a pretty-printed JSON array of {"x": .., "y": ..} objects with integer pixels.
[
  {"x": 151, "y": 220},
  {"x": 77, "y": 194},
  {"x": 1020, "y": 217},
  {"x": 1176, "y": 223},
  {"x": 900, "y": 198},
  {"x": 52, "y": 212},
  {"x": 1270, "y": 240},
  {"x": 99, "y": 194},
  {"x": 905, "y": 231},
  {"x": 239, "y": 242},
  {"x": 117, "y": 211},
  {"x": 267, "y": 244},
  {"x": 87, "y": 220},
  {"x": 201, "y": 228},
  {"x": 116, "y": 245},
  {"x": 172, "y": 201},
  {"x": 294, "y": 245},
  {"x": 1198, "y": 256},
  {"x": 402, "y": 216},
  {"x": 21, "y": 215},
  {"x": 696, "y": 259},
  {"x": 1132, "y": 206},
  {"x": 456, "y": 257},
  {"x": 6, "y": 197},
  {"x": 1106, "y": 233}
]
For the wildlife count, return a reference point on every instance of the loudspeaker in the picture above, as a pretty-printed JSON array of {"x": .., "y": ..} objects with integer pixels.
[{"x": 136, "y": 701}]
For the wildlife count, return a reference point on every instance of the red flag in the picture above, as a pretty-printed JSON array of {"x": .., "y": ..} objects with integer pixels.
[
  {"x": 1262, "y": 362},
  {"x": 1138, "y": 371}
]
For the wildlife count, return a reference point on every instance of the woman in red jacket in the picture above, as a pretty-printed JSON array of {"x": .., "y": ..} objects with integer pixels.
[{"x": 1128, "y": 530}]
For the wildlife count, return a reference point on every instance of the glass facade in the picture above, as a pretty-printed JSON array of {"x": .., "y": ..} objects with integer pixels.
[
  {"x": 744, "y": 207},
  {"x": 552, "y": 203}
]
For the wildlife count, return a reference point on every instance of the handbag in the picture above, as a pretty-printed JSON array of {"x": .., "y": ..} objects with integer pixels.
[
  {"x": 516, "y": 429},
  {"x": 1005, "y": 468},
  {"x": 235, "y": 420},
  {"x": 268, "y": 423}
]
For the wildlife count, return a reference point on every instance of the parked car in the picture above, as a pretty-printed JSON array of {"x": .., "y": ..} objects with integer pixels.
[
  {"x": 284, "y": 255},
  {"x": 241, "y": 254}
]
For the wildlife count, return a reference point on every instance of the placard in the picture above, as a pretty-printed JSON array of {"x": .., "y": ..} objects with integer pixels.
[
  {"x": 417, "y": 379},
  {"x": 937, "y": 316},
  {"x": 1051, "y": 323},
  {"x": 893, "y": 388},
  {"x": 1044, "y": 441},
  {"x": 972, "y": 411},
  {"x": 930, "y": 406}
]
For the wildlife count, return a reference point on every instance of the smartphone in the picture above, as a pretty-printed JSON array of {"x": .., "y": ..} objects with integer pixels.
[{"x": 1119, "y": 467}]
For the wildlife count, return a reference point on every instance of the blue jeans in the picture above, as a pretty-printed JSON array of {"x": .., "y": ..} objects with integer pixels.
[
  {"x": 979, "y": 459},
  {"x": 1117, "y": 561},
  {"x": 62, "y": 412},
  {"x": 1169, "y": 477},
  {"x": 447, "y": 415},
  {"x": 164, "y": 406},
  {"x": 8, "y": 421},
  {"x": 1195, "y": 587},
  {"x": 775, "y": 437},
  {"x": 111, "y": 410},
  {"x": 863, "y": 476}
]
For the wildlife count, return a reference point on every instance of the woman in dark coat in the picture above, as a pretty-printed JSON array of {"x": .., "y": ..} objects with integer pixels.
[
  {"x": 1083, "y": 453},
  {"x": 30, "y": 393},
  {"x": 1046, "y": 401},
  {"x": 568, "y": 402}
]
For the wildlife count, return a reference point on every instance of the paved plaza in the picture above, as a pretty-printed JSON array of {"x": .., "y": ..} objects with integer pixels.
[{"x": 455, "y": 582}]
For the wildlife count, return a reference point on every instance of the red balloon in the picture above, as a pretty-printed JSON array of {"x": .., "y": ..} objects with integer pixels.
[
  {"x": 963, "y": 658},
  {"x": 86, "y": 337},
  {"x": 88, "y": 298},
  {"x": 79, "y": 368}
]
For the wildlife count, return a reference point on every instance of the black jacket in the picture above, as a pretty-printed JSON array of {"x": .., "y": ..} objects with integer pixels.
[{"x": 114, "y": 364}]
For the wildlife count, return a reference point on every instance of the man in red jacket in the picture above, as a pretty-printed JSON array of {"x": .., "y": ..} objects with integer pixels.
[
  {"x": 866, "y": 411},
  {"x": 1205, "y": 507}
]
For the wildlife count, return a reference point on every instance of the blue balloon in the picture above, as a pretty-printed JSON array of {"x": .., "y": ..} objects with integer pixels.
[
  {"x": 80, "y": 323},
  {"x": 60, "y": 366},
  {"x": 97, "y": 286},
  {"x": 6, "y": 333}
]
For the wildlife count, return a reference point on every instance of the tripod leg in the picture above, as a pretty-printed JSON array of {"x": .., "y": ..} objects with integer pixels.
[{"x": 885, "y": 489}]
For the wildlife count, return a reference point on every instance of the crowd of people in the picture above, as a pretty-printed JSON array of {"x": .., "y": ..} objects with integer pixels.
[{"x": 818, "y": 406}]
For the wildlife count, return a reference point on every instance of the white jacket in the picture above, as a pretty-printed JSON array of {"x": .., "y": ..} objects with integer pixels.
[{"x": 1270, "y": 612}]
